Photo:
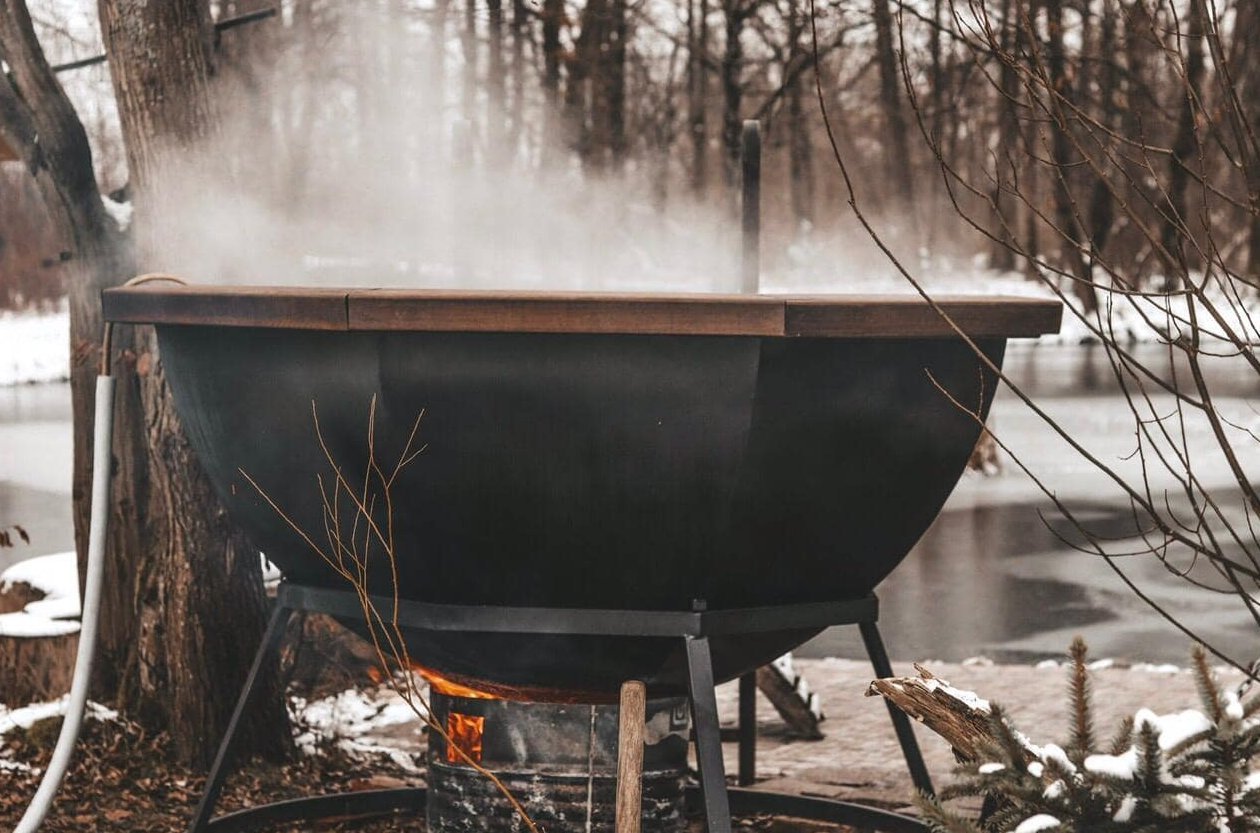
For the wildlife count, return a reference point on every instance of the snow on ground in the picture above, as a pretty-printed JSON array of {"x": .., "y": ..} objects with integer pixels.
[
  {"x": 362, "y": 723},
  {"x": 34, "y": 347},
  {"x": 57, "y": 577}
]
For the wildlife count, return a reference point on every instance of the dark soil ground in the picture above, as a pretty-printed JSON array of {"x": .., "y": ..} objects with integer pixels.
[{"x": 125, "y": 780}]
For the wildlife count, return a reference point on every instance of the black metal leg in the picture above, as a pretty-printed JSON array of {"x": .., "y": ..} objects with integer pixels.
[
  {"x": 748, "y": 729},
  {"x": 218, "y": 770},
  {"x": 717, "y": 807},
  {"x": 905, "y": 733}
]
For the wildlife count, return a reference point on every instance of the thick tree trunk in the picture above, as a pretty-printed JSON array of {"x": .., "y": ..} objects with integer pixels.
[{"x": 186, "y": 618}]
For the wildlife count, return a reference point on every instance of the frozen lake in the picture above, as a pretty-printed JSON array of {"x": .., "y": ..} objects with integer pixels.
[{"x": 990, "y": 577}]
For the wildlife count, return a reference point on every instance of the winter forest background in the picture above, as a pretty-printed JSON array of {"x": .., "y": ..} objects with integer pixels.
[{"x": 562, "y": 144}]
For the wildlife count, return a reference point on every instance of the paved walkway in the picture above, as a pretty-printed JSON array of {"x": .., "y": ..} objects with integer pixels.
[{"x": 859, "y": 759}]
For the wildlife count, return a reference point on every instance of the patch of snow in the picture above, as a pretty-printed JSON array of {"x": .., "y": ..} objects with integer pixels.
[
  {"x": 119, "y": 212},
  {"x": 1100, "y": 664},
  {"x": 354, "y": 721},
  {"x": 14, "y": 766},
  {"x": 1125, "y": 811},
  {"x": 1117, "y": 766},
  {"x": 1173, "y": 729},
  {"x": 969, "y": 698},
  {"x": 1054, "y": 790},
  {"x": 1160, "y": 668},
  {"x": 1035, "y": 768},
  {"x": 1046, "y": 664},
  {"x": 57, "y": 577},
  {"x": 1233, "y": 706},
  {"x": 977, "y": 662},
  {"x": 1054, "y": 753},
  {"x": 270, "y": 572},
  {"x": 27, "y": 716},
  {"x": 1033, "y": 824},
  {"x": 990, "y": 768},
  {"x": 23, "y": 625},
  {"x": 34, "y": 347}
]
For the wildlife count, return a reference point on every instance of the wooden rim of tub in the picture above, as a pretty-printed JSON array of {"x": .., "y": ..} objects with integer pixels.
[{"x": 421, "y": 310}]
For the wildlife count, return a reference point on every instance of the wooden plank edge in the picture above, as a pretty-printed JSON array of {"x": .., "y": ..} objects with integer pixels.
[
  {"x": 883, "y": 319},
  {"x": 611, "y": 316},
  {"x": 238, "y": 307}
]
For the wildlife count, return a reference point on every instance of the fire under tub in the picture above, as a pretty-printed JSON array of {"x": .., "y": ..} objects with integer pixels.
[{"x": 590, "y": 451}]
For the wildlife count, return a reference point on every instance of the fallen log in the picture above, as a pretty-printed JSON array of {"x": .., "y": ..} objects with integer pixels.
[
  {"x": 788, "y": 692},
  {"x": 960, "y": 717}
]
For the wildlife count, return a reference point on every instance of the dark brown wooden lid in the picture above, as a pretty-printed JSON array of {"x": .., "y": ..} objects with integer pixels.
[{"x": 829, "y": 316}]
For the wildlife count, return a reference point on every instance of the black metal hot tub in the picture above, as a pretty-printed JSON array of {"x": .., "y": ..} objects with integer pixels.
[{"x": 590, "y": 450}]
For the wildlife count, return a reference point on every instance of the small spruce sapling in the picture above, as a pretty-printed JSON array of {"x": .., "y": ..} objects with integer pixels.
[{"x": 1185, "y": 773}]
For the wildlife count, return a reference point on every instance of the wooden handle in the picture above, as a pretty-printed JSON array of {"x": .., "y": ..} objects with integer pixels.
[{"x": 630, "y": 757}]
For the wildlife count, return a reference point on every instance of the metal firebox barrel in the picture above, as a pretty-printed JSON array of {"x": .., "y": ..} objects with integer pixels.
[
  {"x": 559, "y": 760},
  {"x": 648, "y": 452}
]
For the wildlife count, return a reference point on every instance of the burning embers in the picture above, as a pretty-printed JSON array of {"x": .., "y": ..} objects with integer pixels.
[{"x": 558, "y": 759}]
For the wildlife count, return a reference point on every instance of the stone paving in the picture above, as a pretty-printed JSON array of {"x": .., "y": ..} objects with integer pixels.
[{"x": 860, "y": 760}]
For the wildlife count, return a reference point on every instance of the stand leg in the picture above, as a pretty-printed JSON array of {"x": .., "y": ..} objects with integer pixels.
[
  {"x": 905, "y": 734},
  {"x": 748, "y": 729},
  {"x": 218, "y": 770},
  {"x": 717, "y": 808}
]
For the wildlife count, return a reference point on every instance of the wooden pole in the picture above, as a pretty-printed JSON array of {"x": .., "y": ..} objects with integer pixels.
[{"x": 630, "y": 757}]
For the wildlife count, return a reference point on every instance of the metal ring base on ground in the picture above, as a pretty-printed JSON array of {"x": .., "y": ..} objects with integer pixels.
[{"x": 376, "y": 803}]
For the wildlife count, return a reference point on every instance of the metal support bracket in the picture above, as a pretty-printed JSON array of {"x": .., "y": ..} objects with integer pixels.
[{"x": 694, "y": 628}]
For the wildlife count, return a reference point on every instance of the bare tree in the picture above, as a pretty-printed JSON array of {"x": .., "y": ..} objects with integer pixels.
[{"x": 1191, "y": 133}]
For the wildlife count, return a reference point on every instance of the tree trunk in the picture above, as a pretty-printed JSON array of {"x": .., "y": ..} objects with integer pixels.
[
  {"x": 1002, "y": 249},
  {"x": 186, "y": 618},
  {"x": 1069, "y": 226},
  {"x": 734, "y": 15},
  {"x": 697, "y": 91},
  {"x": 552, "y": 18},
  {"x": 614, "y": 83},
  {"x": 468, "y": 46},
  {"x": 520, "y": 33},
  {"x": 496, "y": 85},
  {"x": 801, "y": 162},
  {"x": 1102, "y": 211},
  {"x": 897, "y": 155},
  {"x": 1176, "y": 233}
]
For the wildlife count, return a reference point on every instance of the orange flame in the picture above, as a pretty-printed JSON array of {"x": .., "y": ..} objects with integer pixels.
[
  {"x": 451, "y": 688},
  {"x": 464, "y": 732}
]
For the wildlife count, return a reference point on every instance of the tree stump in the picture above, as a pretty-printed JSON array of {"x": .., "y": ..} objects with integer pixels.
[{"x": 36, "y": 653}]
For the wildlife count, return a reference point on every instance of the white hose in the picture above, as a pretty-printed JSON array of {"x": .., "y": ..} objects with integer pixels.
[{"x": 101, "y": 464}]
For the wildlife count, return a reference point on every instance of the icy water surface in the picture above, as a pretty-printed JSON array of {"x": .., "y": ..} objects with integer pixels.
[
  {"x": 990, "y": 577},
  {"x": 35, "y": 457}
]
